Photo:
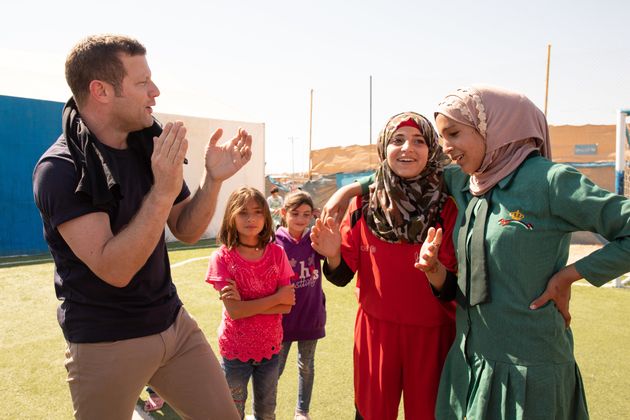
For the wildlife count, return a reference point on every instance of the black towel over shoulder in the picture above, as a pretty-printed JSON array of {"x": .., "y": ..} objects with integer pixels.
[{"x": 98, "y": 173}]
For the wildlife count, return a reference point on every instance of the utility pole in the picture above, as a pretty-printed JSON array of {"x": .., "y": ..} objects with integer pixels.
[
  {"x": 310, "y": 136},
  {"x": 370, "y": 147},
  {"x": 292, "y": 157},
  {"x": 370, "y": 143},
  {"x": 547, "y": 78}
]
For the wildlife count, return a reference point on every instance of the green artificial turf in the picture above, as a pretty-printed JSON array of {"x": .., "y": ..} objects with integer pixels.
[{"x": 32, "y": 345}]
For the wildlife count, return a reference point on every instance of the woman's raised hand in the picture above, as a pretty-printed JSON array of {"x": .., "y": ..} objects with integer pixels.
[
  {"x": 428, "y": 258},
  {"x": 326, "y": 238}
]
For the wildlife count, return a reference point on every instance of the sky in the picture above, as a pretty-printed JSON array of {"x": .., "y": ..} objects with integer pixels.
[{"x": 259, "y": 60}]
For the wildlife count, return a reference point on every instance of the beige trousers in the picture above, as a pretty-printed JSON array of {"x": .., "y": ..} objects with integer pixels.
[{"x": 107, "y": 378}]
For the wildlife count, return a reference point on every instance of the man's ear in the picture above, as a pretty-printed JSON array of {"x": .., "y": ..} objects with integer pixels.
[{"x": 101, "y": 91}]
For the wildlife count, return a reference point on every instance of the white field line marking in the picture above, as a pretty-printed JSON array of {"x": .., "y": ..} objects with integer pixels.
[
  {"x": 189, "y": 261},
  {"x": 50, "y": 260},
  {"x": 42, "y": 260}
]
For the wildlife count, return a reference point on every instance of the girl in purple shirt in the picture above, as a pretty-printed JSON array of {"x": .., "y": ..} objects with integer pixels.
[{"x": 305, "y": 323}]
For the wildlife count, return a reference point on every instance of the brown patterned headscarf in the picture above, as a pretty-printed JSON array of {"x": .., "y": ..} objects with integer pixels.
[
  {"x": 511, "y": 125},
  {"x": 402, "y": 210}
]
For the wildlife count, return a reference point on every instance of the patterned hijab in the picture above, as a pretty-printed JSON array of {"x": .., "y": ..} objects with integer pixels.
[
  {"x": 398, "y": 209},
  {"x": 511, "y": 125}
]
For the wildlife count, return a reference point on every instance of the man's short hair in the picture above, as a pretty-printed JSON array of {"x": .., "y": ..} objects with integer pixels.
[{"x": 97, "y": 58}]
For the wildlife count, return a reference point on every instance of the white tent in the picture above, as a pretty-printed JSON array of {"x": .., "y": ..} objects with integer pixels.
[{"x": 198, "y": 134}]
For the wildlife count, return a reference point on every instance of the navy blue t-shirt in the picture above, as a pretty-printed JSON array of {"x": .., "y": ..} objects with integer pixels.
[{"x": 91, "y": 309}]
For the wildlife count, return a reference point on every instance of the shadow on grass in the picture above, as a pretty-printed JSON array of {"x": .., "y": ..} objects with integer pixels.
[
  {"x": 21, "y": 260},
  {"x": 164, "y": 413}
]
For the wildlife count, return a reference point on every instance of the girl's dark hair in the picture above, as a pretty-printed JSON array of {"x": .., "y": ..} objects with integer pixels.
[
  {"x": 228, "y": 235},
  {"x": 294, "y": 200}
]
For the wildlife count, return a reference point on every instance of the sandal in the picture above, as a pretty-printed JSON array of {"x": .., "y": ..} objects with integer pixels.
[{"x": 153, "y": 403}]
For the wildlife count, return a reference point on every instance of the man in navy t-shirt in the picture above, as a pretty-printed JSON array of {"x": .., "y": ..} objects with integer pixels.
[{"x": 105, "y": 190}]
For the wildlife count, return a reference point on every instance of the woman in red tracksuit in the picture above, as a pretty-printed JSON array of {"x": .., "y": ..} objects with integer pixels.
[{"x": 402, "y": 332}]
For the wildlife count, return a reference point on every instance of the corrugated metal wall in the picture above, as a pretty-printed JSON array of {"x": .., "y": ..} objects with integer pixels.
[{"x": 27, "y": 128}]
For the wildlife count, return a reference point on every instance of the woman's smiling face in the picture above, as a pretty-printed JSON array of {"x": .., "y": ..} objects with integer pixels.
[
  {"x": 463, "y": 144},
  {"x": 407, "y": 152}
]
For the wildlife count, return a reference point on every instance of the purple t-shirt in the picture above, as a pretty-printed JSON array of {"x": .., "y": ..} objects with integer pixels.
[
  {"x": 91, "y": 309},
  {"x": 307, "y": 319}
]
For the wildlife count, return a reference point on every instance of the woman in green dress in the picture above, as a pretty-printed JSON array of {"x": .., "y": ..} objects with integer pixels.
[{"x": 513, "y": 352}]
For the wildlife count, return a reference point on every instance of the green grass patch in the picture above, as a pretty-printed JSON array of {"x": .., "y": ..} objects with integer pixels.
[{"x": 32, "y": 345}]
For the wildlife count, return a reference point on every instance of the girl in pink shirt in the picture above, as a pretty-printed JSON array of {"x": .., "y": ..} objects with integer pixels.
[{"x": 252, "y": 274}]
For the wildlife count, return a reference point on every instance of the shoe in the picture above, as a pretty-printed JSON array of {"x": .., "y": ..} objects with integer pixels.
[
  {"x": 250, "y": 417},
  {"x": 153, "y": 403},
  {"x": 301, "y": 416}
]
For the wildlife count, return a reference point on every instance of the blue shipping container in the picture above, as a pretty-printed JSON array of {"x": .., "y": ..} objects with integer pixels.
[{"x": 27, "y": 128}]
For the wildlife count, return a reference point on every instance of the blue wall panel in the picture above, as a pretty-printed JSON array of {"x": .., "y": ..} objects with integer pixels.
[{"x": 27, "y": 128}]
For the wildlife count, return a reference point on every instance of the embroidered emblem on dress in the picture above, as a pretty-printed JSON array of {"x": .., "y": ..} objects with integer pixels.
[{"x": 516, "y": 217}]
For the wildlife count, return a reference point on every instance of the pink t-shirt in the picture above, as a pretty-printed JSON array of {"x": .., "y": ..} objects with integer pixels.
[{"x": 259, "y": 336}]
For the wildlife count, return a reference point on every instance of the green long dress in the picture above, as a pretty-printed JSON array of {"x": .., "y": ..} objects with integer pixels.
[{"x": 507, "y": 361}]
